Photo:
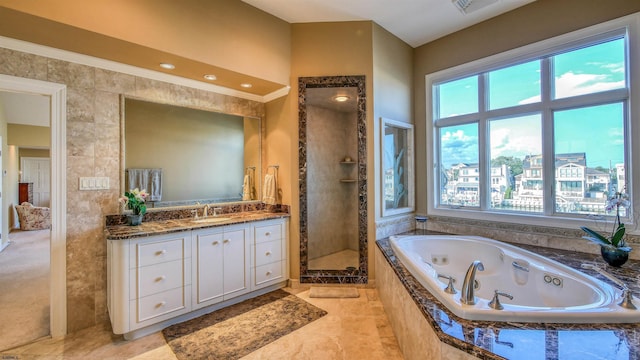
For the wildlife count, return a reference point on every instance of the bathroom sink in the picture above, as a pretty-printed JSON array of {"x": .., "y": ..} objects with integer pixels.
[{"x": 210, "y": 220}]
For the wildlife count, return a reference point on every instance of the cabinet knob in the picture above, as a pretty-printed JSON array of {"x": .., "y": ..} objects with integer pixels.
[
  {"x": 268, "y": 273},
  {"x": 161, "y": 304},
  {"x": 161, "y": 252},
  {"x": 160, "y": 278},
  {"x": 267, "y": 233},
  {"x": 268, "y": 253},
  {"x": 225, "y": 241},
  {"x": 215, "y": 242}
]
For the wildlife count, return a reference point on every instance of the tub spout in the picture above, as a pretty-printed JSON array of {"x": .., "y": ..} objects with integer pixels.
[{"x": 468, "y": 286}]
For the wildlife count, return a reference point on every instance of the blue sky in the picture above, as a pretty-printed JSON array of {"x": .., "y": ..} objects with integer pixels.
[{"x": 597, "y": 130}]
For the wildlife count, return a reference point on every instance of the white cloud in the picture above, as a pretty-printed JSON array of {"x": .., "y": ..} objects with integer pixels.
[
  {"x": 570, "y": 84},
  {"x": 516, "y": 137}
]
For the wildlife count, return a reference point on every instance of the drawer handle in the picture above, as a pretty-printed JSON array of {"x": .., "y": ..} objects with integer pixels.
[
  {"x": 215, "y": 242},
  {"x": 268, "y": 273},
  {"x": 161, "y": 304},
  {"x": 161, "y": 252},
  {"x": 267, "y": 233},
  {"x": 160, "y": 278},
  {"x": 268, "y": 253},
  {"x": 225, "y": 241}
]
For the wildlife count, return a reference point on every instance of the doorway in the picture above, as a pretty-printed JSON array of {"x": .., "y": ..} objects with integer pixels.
[
  {"x": 55, "y": 95},
  {"x": 24, "y": 263}
]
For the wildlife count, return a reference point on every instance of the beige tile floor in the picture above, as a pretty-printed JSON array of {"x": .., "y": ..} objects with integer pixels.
[{"x": 354, "y": 328}]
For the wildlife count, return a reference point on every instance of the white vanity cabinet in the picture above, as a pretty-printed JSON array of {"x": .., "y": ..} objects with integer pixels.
[
  {"x": 221, "y": 259},
  {"x": 149, "y": 280},
  {"x": 270, "y": 252},
  {"x": 158, "y": 280}
]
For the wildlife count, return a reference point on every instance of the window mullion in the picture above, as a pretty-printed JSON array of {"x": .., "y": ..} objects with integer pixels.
[
  {"x": 548, "y": 158},
  {"x": 484, "y": 176}
]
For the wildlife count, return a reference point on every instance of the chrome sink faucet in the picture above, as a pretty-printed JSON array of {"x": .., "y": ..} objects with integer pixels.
[{"x": 468, "y": 286}]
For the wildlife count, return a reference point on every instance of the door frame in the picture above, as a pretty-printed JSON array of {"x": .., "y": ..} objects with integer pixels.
[{"x": 58, "y": 113}]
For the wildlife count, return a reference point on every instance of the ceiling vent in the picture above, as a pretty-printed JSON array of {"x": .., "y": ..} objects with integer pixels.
[{"x": 469, "y": 6}]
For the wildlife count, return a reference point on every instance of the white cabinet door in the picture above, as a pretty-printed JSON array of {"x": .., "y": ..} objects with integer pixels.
[
  {"x": 235, "y": 263},
  {"x": 209, "y": 267},
  {"x": 221, "y": 264}
]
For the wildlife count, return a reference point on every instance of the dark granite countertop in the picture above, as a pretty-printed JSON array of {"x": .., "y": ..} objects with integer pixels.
[
  {"x": 119, "y": 231},
  {"x": 530, "y": 341}
]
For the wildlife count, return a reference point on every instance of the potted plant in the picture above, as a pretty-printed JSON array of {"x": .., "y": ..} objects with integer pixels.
[
  {"x": 135, "y": 200},
  {"x": 613, "y": 246}
]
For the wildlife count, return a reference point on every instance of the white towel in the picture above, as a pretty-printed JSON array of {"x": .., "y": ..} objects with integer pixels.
[
  {"x": 246, "y": 188},
  {"x": 269, "y": 195},
  {"x": 146, "y": 179},
  {"x": 138, "y": 179},
  {"x": 155, "y": 186}
]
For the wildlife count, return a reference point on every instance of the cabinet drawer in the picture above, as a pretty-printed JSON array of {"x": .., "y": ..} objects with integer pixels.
[
  {"x": 156, "y": 305},
  {"x": 268, "y": 272},
  {"x": 159, "y": 277},
  {"x": 268, "y": 233},
  {"x": 268, "y": 252},
  {"x": 159, "y": 251}
]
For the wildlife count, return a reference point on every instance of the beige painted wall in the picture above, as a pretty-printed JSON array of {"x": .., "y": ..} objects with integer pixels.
[
  {"x": 326, "y": 49},
  {"x": 226, "y": 33},
  {"x": 7, "y": 199},
  {"x": 534, "y": 22},
  {"x": 29, "y": 136}
]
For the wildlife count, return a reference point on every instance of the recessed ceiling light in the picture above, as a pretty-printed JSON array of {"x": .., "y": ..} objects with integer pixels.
[
  {"x": 341, "y": 98},
  {"x": 210, "y": 77},
  {"x": 246, "y": 85},
  {"x": 167, "y": 66}
]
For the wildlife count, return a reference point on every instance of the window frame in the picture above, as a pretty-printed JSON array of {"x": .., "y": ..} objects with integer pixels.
[{"x": 629, "y": 27}]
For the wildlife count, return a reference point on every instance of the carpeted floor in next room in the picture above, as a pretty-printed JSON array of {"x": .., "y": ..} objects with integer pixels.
[{"x": 353, "y": 328}]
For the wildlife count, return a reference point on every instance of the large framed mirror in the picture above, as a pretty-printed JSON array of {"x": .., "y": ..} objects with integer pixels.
[
  {"x": 184, "y": 156},
  {"x": 396, "y": 156},
  {"x": 333, "y": 179}
]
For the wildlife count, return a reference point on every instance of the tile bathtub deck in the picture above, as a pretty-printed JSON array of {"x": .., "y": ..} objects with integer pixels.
[{"x": 530, "y": 341}]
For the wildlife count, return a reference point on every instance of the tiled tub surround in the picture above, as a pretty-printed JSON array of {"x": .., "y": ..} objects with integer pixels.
[{"x": 426, "y": 329}]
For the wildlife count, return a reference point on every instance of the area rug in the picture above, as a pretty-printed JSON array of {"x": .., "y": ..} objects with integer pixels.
[
  {"x": 237, "y": 330},
  {"x": 333, "y": 292}
]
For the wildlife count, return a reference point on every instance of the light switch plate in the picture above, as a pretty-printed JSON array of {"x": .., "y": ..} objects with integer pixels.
[{"x": 94, "y": 183}]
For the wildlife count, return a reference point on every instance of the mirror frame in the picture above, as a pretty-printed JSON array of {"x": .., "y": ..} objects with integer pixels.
[
  {"x": 408, "y": 172},
  {"x": 204, "y": 107},
  {"x": 359, "y": 275}
]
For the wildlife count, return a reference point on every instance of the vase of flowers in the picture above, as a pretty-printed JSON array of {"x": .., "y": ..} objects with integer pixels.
[
  {"x": 135, "y": 201},
  {"x": 613, "y": 246}
]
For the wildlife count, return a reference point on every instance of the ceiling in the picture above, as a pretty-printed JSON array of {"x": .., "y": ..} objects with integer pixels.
[
  {"x": 416, "y": 22},
  {"x": 25, "y": 109}
]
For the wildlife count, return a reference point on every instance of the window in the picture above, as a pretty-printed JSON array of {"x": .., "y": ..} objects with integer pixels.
[{"x": 547, "y": 135}]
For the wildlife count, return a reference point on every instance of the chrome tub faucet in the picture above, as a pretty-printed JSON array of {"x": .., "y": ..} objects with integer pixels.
[{"x": 468, "y": 286}]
